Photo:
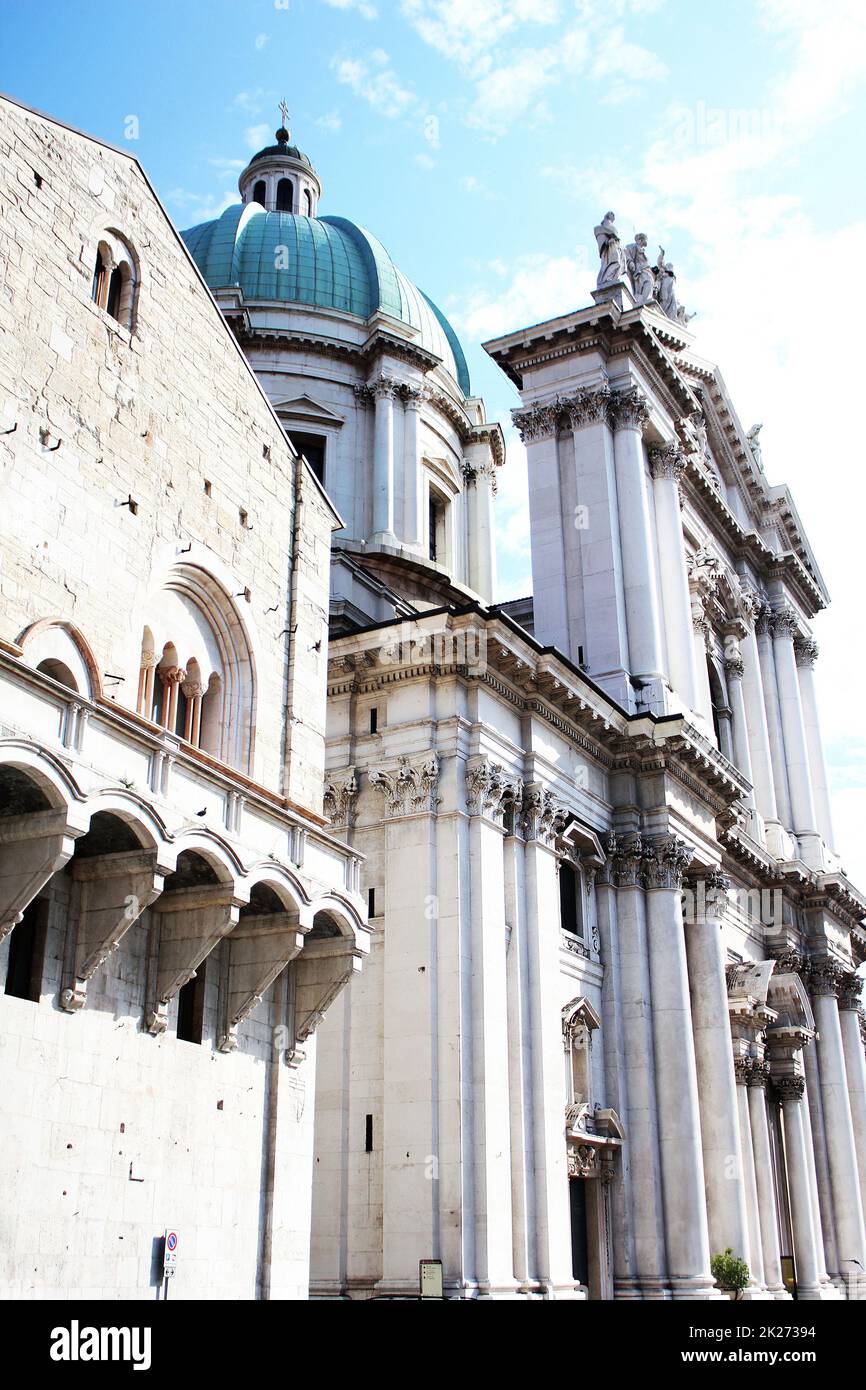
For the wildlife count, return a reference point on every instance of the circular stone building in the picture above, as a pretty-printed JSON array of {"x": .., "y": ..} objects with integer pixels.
[{"x": 371, "y": 384}]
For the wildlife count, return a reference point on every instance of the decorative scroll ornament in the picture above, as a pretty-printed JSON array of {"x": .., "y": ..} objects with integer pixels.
[
  {"x": 705, "y": 570},
  {"x": 340, "y": 792},
  {"x": 692, "y": 430},
  {"x": 411, "y": 789}
]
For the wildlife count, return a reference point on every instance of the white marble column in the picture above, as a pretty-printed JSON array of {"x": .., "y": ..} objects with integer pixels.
[
  {"x": 703, "y": 694},
  {"x": 479, "y": 475},
  {"x": 823, "y": 1218},
  {"x": 790, "y": 1089},
  {"x": 806, "y": 652},
  {"x": 756, "y": 728},
  {"x": 384, "y": 391},
  {"x": 773, "y": 716},
  {"x": 552, "y": 1267},
  {"x": 615, "y": 1081},
  {"x": 641, "y": 1118},
  {"x": 742, "y": 753},
  {"x": 855, "y": 1068},
  {"x": 744, "y": 1068},
  {"x": 682, "y": 1166},
  {"x": 825, "y": 982},
  {"x": 705, "y": 904},
  {"x": 489, "y": 1091},
  {"x": 413, "y": 520},
  {"x": 629, "y": 414},
  {"x": 667, "y": 465},
  {"x": 763, "y": 1159},
  {"x": 804, "y": 820}
]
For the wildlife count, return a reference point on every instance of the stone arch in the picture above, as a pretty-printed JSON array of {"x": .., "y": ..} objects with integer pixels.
[
  {"x": 54, "y": 640},
  {"x": 191, "y": 616},
  {"x": 285, "y": 887},
  {"x": 116, "y": 276},
  {"x": 41, "y": 768},
  {"x": 342, "y": 913}
]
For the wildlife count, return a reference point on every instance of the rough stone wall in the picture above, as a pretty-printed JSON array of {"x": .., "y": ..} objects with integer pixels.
[
  {"x": 110, "y": 1134},
  {"x": 153, "y": 414}
]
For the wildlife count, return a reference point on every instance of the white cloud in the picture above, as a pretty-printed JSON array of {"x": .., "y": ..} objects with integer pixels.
[
  {"x": 374, "y": 80},
  {"x": 425, "y": 161},
  {"x": 261, "y": 40},
  {"x": 257, "y": 135},
  {"x": 251, "y": 103},
  {"x": 331, "y": 122},
  {"x": 193, "y": 208},
  {"x": 364, "y": 8}
]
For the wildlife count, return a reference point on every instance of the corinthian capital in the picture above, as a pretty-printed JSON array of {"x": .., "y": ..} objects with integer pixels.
[
  {"x": 538, "y": 422},
  {"x": 629, "y": 409},
  {"x": 665, "y": 860},
  {"x": 849, "y": 992},
  {"x": 790, "y": 1089},
  {"x": 542, "y": 816},
  {"x": 825, "y": 978},
  {"x": 385, "y": 387},
  {"x": 667, "y": 461},
  {"x": 783, "y": 623},
  {"x": 485, "y": 788},
  {"x": 340, "y": 792},
  {"x": 624, "y": 863},
  {"x": 588, "y": 406},
  {"x": 805, "y": 650}
]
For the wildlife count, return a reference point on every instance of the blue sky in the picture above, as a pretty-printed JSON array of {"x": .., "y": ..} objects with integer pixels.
[{"x": 482, "y": 139}]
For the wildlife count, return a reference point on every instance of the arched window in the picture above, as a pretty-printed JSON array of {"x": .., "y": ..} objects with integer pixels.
[
  {"x": 437, "y": 527},
  {"x": 722, "y": 713},
  {"x": 285, "y": 195},
  {"x": 196, "y": 674},
  {"x": 98, "y": 291},
  {"x": 260, "y": 192},
  {"x": 308, "y": 202},
  {"x": 58, "y": 671},
  {"x": 114, "y": 279}
]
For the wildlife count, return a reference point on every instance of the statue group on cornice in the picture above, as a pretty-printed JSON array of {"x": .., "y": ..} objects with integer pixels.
[{"x": 650, "y": 284}]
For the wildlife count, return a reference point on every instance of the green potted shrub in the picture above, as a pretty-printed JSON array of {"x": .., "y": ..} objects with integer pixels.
[{"x": 730, "y": 1273}]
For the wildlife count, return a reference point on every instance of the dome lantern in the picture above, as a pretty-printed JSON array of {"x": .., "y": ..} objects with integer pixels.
[{"x": 280, "y": 178}]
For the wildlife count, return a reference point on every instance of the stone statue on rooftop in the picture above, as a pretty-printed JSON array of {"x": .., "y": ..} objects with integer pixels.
[
  {"x": 755, "y": 444},
  {"x": 665, "y": 287},
  {"x": 613, "y": 267},
  {"x": 640, "y": 271}
]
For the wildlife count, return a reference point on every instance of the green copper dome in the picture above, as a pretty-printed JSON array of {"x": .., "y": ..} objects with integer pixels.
[{"x": 330, "y": 263}]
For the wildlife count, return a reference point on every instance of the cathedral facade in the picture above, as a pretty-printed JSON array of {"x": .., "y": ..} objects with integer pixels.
[{"x": 608, "y": 1027}]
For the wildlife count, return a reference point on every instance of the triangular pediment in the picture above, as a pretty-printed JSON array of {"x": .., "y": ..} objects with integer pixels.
[{"x": 307, "y": 408}]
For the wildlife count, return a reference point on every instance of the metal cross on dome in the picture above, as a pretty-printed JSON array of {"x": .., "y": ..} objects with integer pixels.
[{"x": 284, "y": 112}]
